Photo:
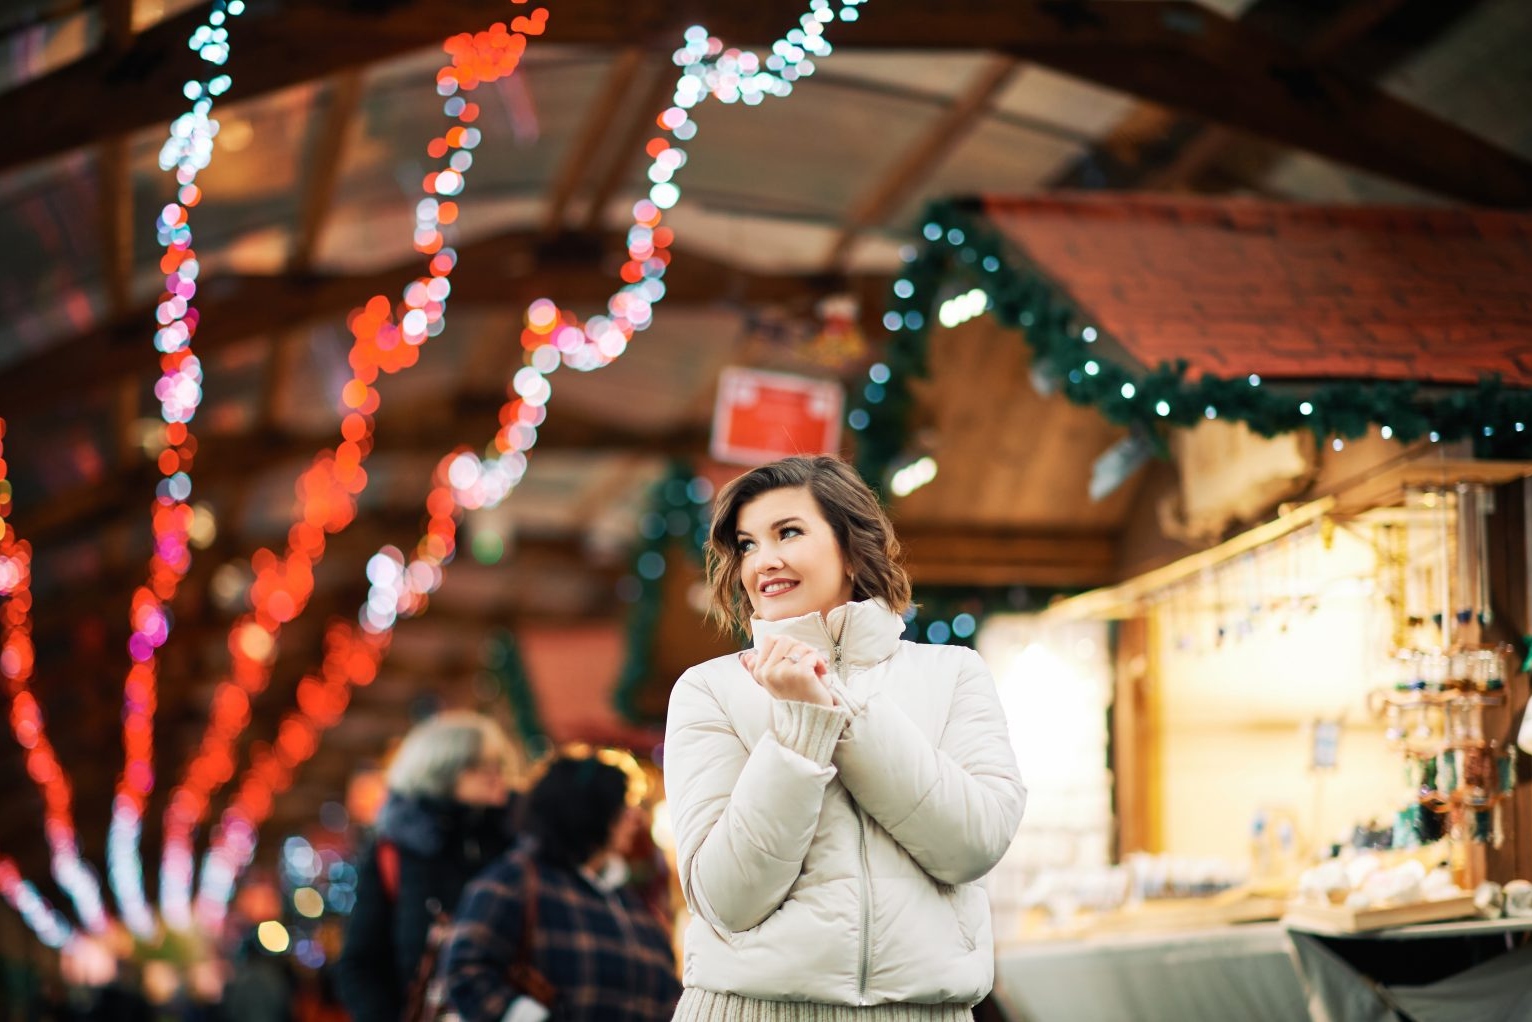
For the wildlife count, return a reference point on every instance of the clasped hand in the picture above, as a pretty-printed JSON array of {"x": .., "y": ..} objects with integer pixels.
[{"x": 788, "y": 669}]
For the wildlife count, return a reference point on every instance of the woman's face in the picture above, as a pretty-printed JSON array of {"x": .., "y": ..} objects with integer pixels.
[
  {"x": 790, "y": 562},
  {"x": 484, "y": 782}
]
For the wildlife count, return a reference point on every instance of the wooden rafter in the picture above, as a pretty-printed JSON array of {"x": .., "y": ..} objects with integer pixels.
[
  {"x": 115, "y": 205},
  {"x": 239, "y": 307},
  {"x": 1155, "y": 147},
  {"x": 598, "y": 124},
  {"x": 327, "y": 148},
  {"x": 116, "y": 25},
  {"x": 1172, "y": 52},
  {"x": 1008, "y": 557},
  {"x": 114, "y": 176},
  {"x": 640, "y": 124},
  {"x": 1210, "y": 143},
  {"x": 224, "y": 460},
  {"x": 923, "y": 157}
]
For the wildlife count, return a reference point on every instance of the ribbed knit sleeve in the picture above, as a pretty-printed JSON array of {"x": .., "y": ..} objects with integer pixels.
[{"x": 808, "y": 729}]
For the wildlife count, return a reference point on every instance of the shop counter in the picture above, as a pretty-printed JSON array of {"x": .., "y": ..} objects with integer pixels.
[
  {"x": 1234, "y": 972},
  {"x": 1266, "y": 972},
  {"x": 1436, "y": 972}
]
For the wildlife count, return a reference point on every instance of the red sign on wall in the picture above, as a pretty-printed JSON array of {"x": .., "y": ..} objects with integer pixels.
[{"x": 761, "y": 416}]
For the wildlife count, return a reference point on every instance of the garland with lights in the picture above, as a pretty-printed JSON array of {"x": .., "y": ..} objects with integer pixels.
[
  {"x": 387, "y": 339},
  {"x": 187, "y": 150},
  {"x": 17, "y": 661},
  {"x": 552, "y": 337},
  {"x": 679, "y": 511},
  {"x": 503, "y": 659},
  {"x": 964, "y": 250}
]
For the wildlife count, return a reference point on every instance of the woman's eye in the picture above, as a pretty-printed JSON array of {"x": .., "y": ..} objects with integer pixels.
[
  {"x": 746, "y": 545},
  {"x": 791, "y": 530}
]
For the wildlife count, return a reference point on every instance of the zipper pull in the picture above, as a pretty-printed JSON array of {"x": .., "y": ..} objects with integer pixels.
[{"x": 836, "y": 658}]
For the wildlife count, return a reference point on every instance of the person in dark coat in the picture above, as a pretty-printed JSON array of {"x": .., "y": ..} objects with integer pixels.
[
  {"x": 448, "y": 815},
  {"x": 606, "y": 954}
]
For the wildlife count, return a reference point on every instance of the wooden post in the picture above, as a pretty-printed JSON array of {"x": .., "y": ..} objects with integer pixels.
[
  {"x": 1134, "y": 757},
  {"x": 1509, "y": 597}
]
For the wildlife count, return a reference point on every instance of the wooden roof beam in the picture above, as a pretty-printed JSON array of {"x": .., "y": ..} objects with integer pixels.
[
  {"x": 1184, "y": 56},
  {"x": 501, "y": 270},
  {"x": 114, "y": 179},
  {"x": 640, "y": 123},
  {"x": 971, "y": 556},
  {"x": 326, "y": 154},
  {"x": 1169, "y": 51},
  {"x": 923, "y": 157},
  {"x": 1210, "y": 143},
  {"x": 241, "y": 459},
  {"x": 598, "y": 124}
]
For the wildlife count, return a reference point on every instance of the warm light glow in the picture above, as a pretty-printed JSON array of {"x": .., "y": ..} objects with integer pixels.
[
  {"x": 273, "y": 936},
  {"x": 308, "y": 902},
  {"x": 913, "y": 476}
]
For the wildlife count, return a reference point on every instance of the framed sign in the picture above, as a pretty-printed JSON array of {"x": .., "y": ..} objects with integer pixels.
[{"x": 761, "y": 416}]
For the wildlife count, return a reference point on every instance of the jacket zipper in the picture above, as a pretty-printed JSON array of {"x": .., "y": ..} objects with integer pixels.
[
  {"x": 837, "y": 664},
  {"x": 866, "y": 963}
]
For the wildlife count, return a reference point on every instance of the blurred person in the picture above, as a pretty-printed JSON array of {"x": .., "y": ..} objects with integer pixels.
[
  {"x": 551, "y": 930},
  {"x": 261, "y": 985},
  {"x": 836, "y": 792},
  {"x": 447, "y": 815}
]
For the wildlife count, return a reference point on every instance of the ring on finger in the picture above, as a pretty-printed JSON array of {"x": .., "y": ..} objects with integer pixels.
[{"x": 794, "y": 657}]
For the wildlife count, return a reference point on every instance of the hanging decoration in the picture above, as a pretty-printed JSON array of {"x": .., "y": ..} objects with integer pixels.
[
  {"x": 553, "y": 336},
  {"x": 187, "y": 150},
  {"x": 17, "y": 661},
  {"x": 966, "y": 267},
  {"x": 387, "y": 340},
  {"x": 503, "y": 659},
  {"x": 42, "y": 918},
  {"x": 351, "y": 659},
  {"x": 678, "y": 514}
]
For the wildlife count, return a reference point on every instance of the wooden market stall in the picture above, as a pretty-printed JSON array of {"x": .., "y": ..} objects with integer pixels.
[{"x": 1318, "y": 642}]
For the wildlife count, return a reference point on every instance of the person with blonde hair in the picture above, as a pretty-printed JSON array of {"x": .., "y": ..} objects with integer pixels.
[
  {"x": 448, "y": 815},
  {"x": 836, "y": 793}
]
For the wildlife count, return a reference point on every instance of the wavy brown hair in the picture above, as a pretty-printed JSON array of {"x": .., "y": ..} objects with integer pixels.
[{"x": 861, "y": 527}]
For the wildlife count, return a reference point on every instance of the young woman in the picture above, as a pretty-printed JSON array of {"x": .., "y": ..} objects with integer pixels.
[
  {"x": 605, "y": 954},
  {"x": 445, "y": 819},
  {"x": 836, "y": 792}
]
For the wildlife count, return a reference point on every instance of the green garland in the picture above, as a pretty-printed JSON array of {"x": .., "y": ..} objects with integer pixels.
[
  {"x": 953, "y": 615},
  {"x": 678, "y": 513},
  {"x": 965, "y": 250},
  {"x": 502, "y": 656}
]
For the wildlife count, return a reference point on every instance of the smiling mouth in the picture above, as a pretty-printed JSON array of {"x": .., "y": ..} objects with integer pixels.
[{"x": 777, "y": 588}]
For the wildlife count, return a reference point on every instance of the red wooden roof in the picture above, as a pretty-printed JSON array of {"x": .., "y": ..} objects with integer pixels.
[{"x": 1238, "y": 286}]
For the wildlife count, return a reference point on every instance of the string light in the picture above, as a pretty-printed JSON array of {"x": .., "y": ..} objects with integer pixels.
[
  {"x": 387, "y": 339},
  {"x": 551, "y": 337},
  {"x": 188, "y": 149},
  {"x": 42, "y": 918},
  {"x": 351, "y": 659},
  {"x": 17, "y": 661}
]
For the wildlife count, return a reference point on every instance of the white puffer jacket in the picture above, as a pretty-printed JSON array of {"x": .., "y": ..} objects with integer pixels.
[{"x": 831, "y": 855}]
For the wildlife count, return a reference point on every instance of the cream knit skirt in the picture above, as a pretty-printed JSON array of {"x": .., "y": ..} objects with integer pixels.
[{"x": 706, "y": 1006}]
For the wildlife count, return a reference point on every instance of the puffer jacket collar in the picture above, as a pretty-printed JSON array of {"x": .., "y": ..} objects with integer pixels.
[
  {"x": 869, "y": 632},
  {"x": 426, "y": 826}
]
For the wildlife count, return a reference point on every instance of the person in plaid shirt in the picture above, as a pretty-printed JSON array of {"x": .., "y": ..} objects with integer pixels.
[{"x": 607, "y": 955}]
